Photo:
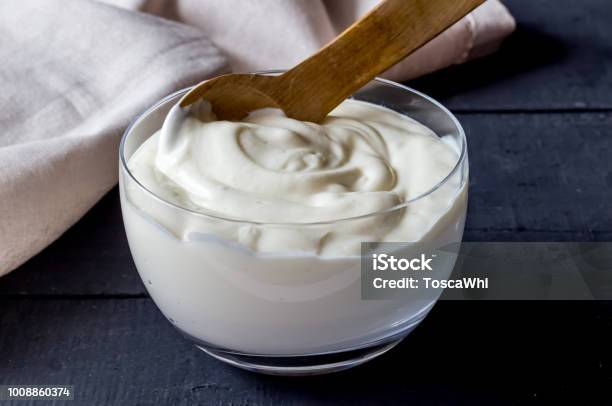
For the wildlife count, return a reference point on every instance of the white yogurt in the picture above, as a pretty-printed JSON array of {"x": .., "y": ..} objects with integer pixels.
[{"x": 227, "y": 276}]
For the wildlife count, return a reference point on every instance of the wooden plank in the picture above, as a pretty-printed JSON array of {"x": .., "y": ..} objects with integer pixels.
[
  {"x": 540, "y": 173},
  {"x": 124, "y": 352},
  {"x": 534, "y": 177},
  {"x": 560, "y": 57}
]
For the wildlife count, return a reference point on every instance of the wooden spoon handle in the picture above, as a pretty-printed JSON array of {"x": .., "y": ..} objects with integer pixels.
[{"x": 390, "y": 32}]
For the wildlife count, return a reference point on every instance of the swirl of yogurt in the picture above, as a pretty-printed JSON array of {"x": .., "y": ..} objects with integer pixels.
[{"x": 268, "y": 168}]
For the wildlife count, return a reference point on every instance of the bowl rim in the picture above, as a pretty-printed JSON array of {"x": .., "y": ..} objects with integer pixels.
[{"x": 459, "y": 164}]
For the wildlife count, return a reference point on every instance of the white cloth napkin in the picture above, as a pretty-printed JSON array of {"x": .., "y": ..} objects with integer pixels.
[{"x": 74, "y": 72}]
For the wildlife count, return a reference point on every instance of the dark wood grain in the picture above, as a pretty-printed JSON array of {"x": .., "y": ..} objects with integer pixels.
[
  {"x": 124, "y": 352},
  {"x": 560, "y": 57},
  {"x": 531, "y": 172}
]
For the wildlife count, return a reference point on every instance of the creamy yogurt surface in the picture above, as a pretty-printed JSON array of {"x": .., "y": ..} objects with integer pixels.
[{"x": 362, "y": 159}]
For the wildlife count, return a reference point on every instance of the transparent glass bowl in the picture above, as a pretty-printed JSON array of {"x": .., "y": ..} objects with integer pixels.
[{"x": 283, "y": 312}]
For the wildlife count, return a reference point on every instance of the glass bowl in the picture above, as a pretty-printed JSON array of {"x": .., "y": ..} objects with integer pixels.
[{"x": 280, "y": 312}]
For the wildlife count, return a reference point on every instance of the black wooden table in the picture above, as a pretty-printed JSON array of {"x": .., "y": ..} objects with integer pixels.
[{"x": 539, "y": 120}]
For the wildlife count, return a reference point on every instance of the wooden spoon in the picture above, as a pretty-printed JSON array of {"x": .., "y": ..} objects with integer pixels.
[{"x": 309, "y": 91}]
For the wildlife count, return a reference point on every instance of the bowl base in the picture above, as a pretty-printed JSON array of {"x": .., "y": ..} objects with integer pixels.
[{"x": 302, "y": 365}]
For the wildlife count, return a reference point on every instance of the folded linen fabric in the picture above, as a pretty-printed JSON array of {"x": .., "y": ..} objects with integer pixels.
[{"x": 74, "y": 72}]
